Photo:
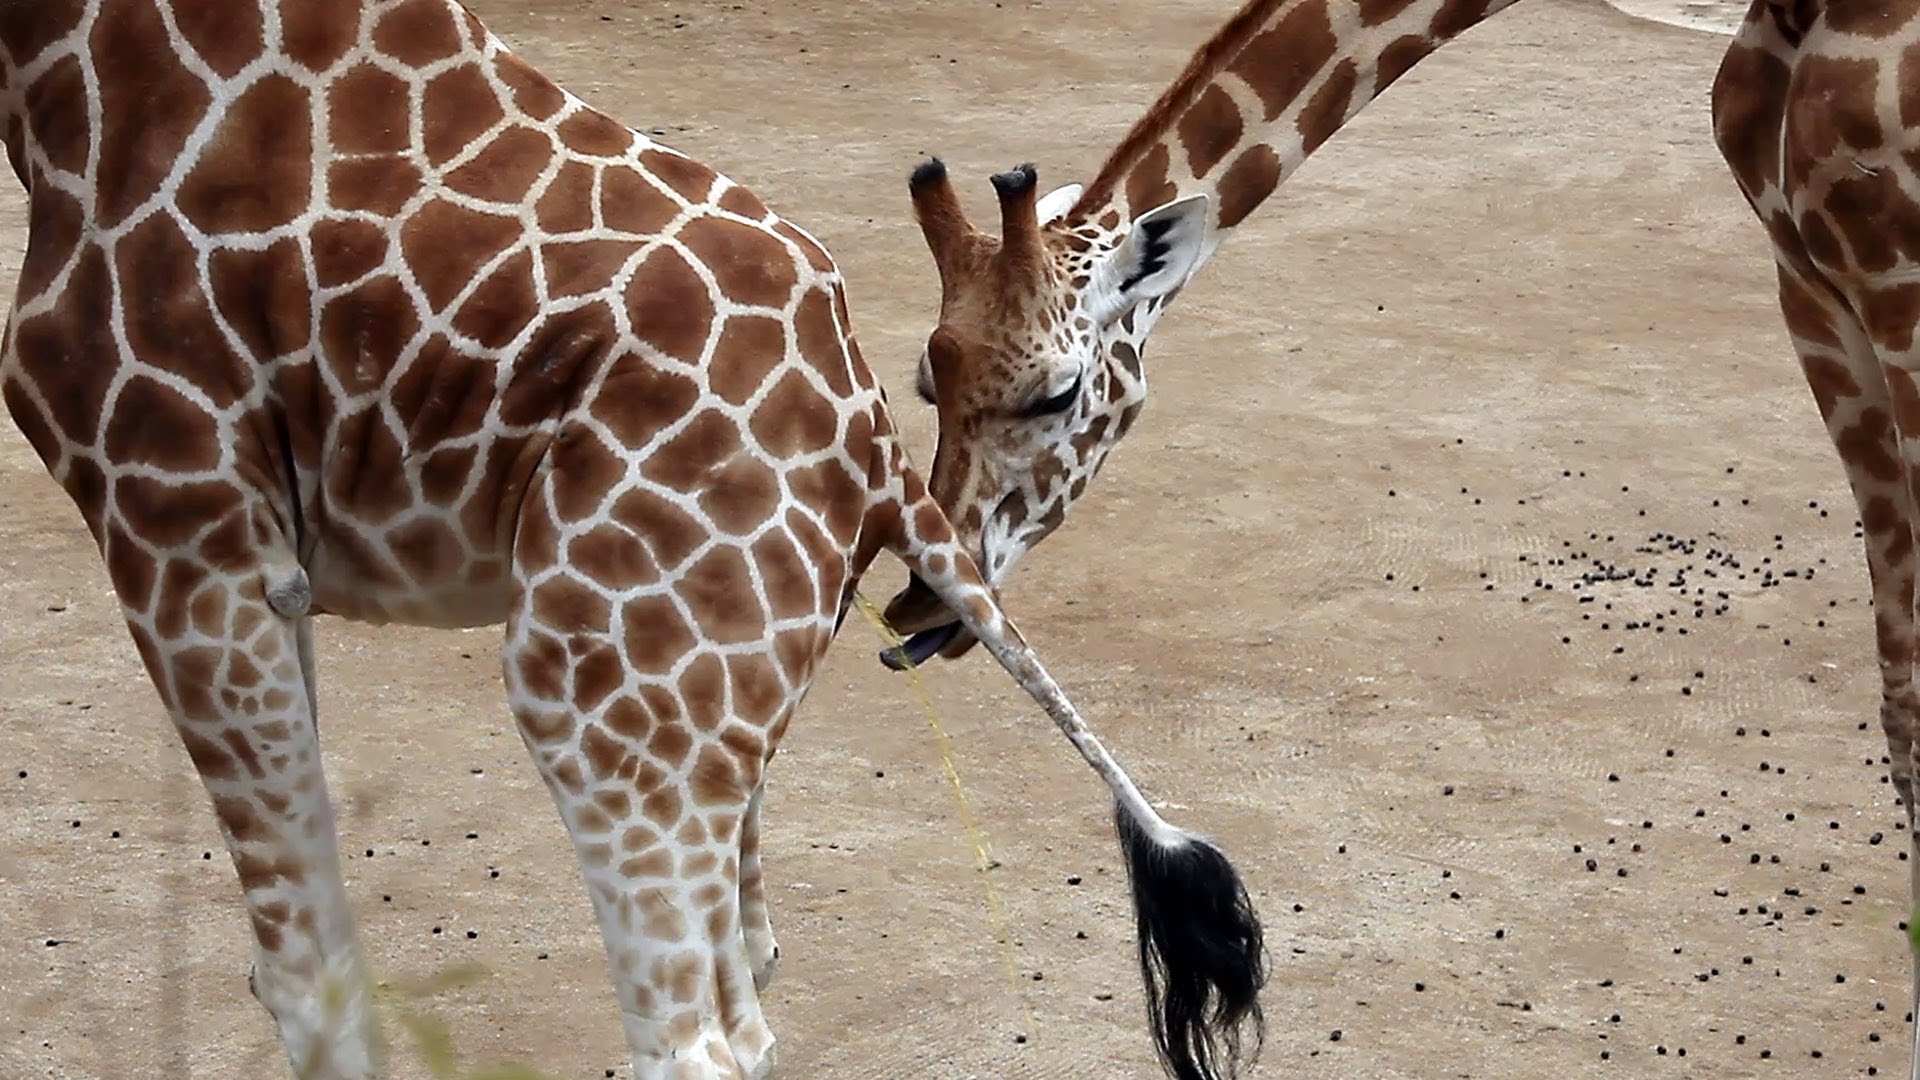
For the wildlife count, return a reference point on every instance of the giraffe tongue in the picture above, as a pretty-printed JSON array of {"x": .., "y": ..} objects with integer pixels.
[{"x": 920, "y": 647}]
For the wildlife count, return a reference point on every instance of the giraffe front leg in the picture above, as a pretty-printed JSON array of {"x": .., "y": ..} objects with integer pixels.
[
  {"x": 234, "y": 672},
  {"x": 756, "y": 916}
]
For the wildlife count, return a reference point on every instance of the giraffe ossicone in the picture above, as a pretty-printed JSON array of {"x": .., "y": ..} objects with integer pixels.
[
  {"x": 1815, "y": 108},
  {"x": 373, "y": 319}
]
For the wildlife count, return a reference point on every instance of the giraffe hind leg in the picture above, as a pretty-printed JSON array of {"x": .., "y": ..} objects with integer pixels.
[{"x": 653, "y": 742}]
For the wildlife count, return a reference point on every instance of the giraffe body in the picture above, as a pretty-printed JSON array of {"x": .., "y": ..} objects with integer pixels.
[
  {"x": 1035, "y": 363},
  {"x": 373, "y": 319}
]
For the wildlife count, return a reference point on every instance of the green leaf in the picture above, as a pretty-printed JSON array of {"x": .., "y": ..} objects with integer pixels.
[{"x": 509, "y": 1072}]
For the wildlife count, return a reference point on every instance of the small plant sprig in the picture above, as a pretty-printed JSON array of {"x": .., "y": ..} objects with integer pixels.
[{"x": 431, "y": 1037}]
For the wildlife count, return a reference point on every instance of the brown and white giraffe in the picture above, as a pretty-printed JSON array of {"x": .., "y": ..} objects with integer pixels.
[
  {"x": 1035, "y": 361},
  {"x": 336, "y": 306}
]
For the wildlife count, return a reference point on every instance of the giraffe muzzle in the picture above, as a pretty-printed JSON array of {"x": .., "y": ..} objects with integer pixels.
[{"x": 928, "y": 626}]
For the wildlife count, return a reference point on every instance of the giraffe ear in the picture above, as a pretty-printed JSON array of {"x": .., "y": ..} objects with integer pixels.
[
  {"x": 1056, "y": 203},
  {"x": 1160, "y": 252}
]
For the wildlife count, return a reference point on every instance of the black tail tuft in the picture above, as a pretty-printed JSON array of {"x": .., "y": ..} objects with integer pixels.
[{"x": 1201, "y": 953}]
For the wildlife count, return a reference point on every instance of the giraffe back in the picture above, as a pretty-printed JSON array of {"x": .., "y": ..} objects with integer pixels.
[{"x": 363, "y": 274}]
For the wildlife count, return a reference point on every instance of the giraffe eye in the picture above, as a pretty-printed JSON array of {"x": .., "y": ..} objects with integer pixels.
[{"x": 1059, "y": 402}]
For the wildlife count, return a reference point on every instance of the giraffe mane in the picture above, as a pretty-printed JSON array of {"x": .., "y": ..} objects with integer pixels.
[{"x": 1207, "y": 61}]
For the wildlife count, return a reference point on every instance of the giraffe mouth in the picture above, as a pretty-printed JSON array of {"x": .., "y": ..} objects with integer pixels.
[{"x": 930, "y": 628}]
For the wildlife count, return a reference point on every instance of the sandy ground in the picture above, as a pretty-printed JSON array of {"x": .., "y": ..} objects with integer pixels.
[{"x": 1330, "y": 601}]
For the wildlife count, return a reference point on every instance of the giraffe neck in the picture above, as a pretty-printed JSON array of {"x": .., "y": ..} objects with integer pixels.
[{"x": 1260, "y": 96}]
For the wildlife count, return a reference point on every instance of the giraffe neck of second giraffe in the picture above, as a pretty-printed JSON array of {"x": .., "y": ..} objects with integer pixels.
[{"x": 1264, "y": 94}]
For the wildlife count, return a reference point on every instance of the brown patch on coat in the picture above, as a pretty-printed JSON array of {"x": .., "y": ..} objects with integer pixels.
[
  {"x": 363, "y": 331},
  {"x": 371, "y": 112},
  {"x": 1830, "y": 380},
  {"x": 317, "y": 33},
  {"x": 748, "y": 263},
  {"x": 794, "y": 419},
  {"x": 56, "y": 116},
  {"x": 750, "y": 346},
  {"x": 66, "y": 352},
  {"x": 1868, "y": 18},
  {"x": 687, "y": 461},
  {"x": 445, "y": 244},
  {"x": 1247, "y": 183},
  {"x": 457, "y": 109},
  {"x": 427, "y": 549},
  {"x": 226, "y": 36},
  {"x": 382, "y": 185},
  {"x": 499, "y": 308},
  {"x": 1281, "y": 62},
  {"x": 567, "y": 205},
  {"x": 154, "y": 424},
  {"x": 139, "y": 144},
  {"x": 504, "y": 171},
  {"x": 1869, "y": 445},
  {"x": 256, "y": 173},
  {"x": 668, "y": 306},
  {"x": 656, "y": 635},
  {"x": 1327, "y": 109},
  {"x": 54, "y": 223},
  {"x": 578, "y": 268},
  {"x": 1832, "y": 106},
  {"x": 595, "y": 134},
  {"x": 692, "y": 180},
  {"x": 418, "y": 33},
  {"x": 669, "y": 532},
  {"x": 533, "y": 93},
  {"x": 172, "y": 325},
  {"x": 631, "y": 203},
  {"x": 613, "y": 556},
  {"x": 1209, "y": 129},
  {"x": 346, "y": 250},
  {"x": 637, "y": 401}
]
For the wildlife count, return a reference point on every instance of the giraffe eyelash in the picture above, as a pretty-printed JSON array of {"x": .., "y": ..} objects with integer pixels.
[{"x": 1058, "y": 402}]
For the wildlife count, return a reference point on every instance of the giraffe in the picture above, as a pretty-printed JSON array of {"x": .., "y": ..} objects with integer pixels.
[
  {"x": 372, "y": 319},
  {"x": 1035, "y": 362}
]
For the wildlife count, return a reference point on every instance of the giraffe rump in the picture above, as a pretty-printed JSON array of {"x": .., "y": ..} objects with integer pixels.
[{"x": 1202, "y": 957}]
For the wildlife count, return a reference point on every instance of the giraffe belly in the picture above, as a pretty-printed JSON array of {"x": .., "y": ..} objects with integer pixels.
[
  {"x": 465, "y": 593},
  {"x": 436, "y": 549}
]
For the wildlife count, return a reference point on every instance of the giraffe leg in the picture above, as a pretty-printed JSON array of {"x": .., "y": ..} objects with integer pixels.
[
  {"x": 656, "y": 808},
  {"x": 756, "y": 917},
  {"x": 230, "y": 652},
  {"x": 1867, "y": 397},
  {"x": 653, "y": 737}
]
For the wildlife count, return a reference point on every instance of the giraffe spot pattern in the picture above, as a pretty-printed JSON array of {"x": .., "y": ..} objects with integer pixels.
[{"x": 499, "y": 357}]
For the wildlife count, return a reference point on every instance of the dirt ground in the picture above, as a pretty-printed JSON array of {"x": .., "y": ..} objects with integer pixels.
[{"x": 1334, "y": 602}]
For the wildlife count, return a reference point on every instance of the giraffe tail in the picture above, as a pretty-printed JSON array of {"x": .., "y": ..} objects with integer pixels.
[{"x": 1202, "y": 957}]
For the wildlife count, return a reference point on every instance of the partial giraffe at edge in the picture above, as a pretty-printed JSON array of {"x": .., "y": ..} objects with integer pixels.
[
  {"x": 1035, "y": 360},
  {"x": 375, "y": 320}
]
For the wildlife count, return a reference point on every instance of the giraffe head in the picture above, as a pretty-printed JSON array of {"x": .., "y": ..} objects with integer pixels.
[{"x": 1034, "y": 364}]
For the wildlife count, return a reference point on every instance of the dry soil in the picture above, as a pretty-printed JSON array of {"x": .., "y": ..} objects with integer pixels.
[{"x": 1479, "y": 575}]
